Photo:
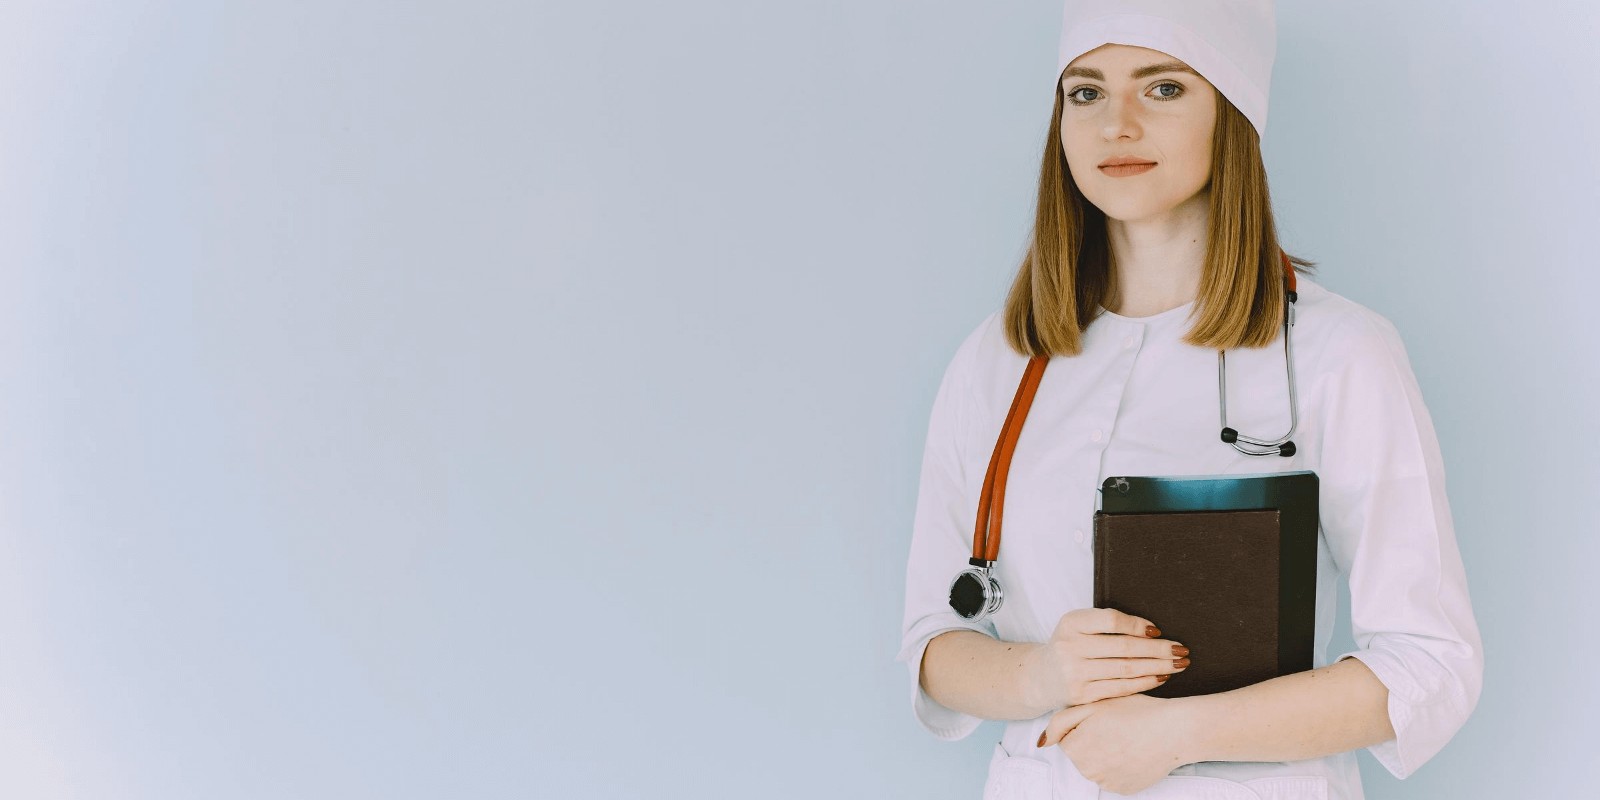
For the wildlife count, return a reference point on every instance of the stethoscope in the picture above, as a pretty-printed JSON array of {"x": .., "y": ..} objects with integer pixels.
[{"x": 976, "y": 593}]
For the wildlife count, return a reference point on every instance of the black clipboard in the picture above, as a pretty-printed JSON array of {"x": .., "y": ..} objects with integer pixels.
[{"x": 1293, "y": 494}]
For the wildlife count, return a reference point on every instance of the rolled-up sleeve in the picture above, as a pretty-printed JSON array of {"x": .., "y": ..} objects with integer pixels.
[
  {"x": 1387, "y": 520},
  {"x": 941, "y": 543}
]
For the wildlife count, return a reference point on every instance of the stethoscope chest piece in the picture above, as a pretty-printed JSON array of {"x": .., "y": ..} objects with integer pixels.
[{"x": 976, "y": 593}]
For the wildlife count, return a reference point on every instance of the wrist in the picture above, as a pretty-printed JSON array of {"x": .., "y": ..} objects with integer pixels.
[
  {"x": 1189, "y": 715},
  {"x": 1030, "y": 690}
]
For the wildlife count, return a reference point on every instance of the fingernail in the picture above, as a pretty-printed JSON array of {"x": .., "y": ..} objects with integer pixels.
[
  {"x": 1162, "y": 678},
  {"x": 1041, "y": 738},
  {"x": 1181, "y": 663},
  {"x": 1180, "y": 650},
  {"x": 1152, "y": 631}
]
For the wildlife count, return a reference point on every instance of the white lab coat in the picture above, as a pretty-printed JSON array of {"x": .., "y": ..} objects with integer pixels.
[{"x": 1138, "y": 401}]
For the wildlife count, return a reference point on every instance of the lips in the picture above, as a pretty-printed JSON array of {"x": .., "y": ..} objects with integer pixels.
[
  {"x": 1122, "y": 161},
  {"x": 1126, "y": 166}
]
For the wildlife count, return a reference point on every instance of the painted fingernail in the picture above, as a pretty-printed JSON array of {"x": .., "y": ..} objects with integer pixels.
[
  {"x": 1180, "y": 663},
  {"x": 1041, "y": 738},
  {"x": 1162, "y": 678},
  {"x": 1180, "y": 650},
  {"x": 1152, "y": 631}
]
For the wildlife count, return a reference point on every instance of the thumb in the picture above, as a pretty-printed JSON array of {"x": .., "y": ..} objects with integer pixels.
[{"x": 1063, "y": 722}]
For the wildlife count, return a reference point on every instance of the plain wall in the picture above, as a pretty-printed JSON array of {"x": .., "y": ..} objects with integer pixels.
[{"x": 492, "y": 399}]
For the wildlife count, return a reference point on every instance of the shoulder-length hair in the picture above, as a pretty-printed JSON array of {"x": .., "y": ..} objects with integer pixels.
[{"x": 1066, "y": 274}]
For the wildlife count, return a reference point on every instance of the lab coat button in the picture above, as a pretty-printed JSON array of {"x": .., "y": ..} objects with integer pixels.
[
  {"x": 1130, "y": 341},
  {"x": 1078, "y": 535},
  {"x": 1096, "y": 435}
]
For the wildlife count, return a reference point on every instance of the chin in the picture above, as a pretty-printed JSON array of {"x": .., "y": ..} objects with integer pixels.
[{"x": 1132, "y": 211}]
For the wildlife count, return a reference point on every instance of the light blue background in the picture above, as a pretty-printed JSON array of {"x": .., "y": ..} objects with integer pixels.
[{"x": 488, "y": 399}]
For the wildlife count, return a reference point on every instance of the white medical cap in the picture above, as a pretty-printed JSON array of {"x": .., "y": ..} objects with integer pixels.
[{"x": 1230, "y": 42}]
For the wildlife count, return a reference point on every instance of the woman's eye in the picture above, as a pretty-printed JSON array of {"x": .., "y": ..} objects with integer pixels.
[
  {"x": 1072, "y": 96},
  {"x": 1074, "y": 93}
]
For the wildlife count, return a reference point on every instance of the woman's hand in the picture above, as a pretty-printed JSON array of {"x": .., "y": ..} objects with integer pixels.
[
  {"x": 1098, "y": 653},
  {"x": 1124, "y": 744}
]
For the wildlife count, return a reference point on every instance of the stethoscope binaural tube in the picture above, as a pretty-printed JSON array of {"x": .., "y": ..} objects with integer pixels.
[
  {"x": 975, "y": 593},
  {"x": 1280, "y": 446}
]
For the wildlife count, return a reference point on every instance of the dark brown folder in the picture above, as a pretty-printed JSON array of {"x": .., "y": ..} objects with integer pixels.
[{"x": 1209, "y": 580}]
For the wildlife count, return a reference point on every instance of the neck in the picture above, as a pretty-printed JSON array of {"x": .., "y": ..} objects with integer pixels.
[{"x": 1156, "y": 262}]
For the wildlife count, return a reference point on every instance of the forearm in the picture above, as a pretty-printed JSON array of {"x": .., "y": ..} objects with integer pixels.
[
  {"x": 1339, "y": 707},
  {"x": 979, "y": 675}
]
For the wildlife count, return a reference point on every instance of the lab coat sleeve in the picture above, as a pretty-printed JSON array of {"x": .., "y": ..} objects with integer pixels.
[
  {"x": 1387, "y": 520},
  {"x": 941, "y": 543}
]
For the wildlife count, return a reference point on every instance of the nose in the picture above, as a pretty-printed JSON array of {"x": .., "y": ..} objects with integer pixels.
[{"x": 1122, "y": 119}]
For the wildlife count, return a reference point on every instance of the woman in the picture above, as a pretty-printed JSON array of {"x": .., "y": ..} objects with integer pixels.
[{"x": 1136, "y": 276}]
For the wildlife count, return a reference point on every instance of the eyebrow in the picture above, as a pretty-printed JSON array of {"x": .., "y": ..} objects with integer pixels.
[{"x": 1142, "y": 72}]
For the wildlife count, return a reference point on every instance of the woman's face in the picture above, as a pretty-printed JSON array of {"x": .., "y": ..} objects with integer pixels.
[{"x": 1115, "y": 103}]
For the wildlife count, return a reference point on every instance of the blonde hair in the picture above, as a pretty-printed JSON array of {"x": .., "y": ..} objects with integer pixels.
[{"x": 1066, "y": 274}]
